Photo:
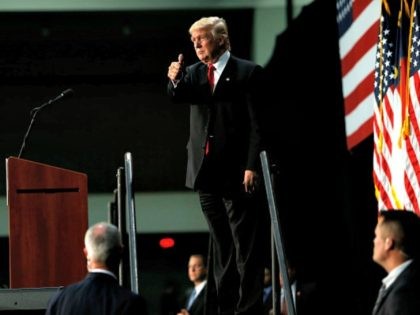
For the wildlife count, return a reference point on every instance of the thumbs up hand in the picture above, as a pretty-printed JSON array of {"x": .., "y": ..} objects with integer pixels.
[{"x": 175, "y": 68}]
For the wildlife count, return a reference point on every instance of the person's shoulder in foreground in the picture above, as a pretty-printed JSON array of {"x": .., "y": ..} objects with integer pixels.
[{"x": 99, "y": 293}]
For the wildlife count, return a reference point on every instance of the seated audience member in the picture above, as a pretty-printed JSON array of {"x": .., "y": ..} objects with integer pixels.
[
  {"x": 268, "y": 291},
  {"x": 396, "y": 249},
  {"x": 197, "y": 273},
  {"x": 99, "y": 293}
]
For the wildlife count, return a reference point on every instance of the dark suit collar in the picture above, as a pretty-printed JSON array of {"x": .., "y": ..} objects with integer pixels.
[
  {"x": 406, "y": 272},
  {"x": 225, "y": 78},
  {"x": 101, "y": 275},
  {"x": 105, "y": 271}
]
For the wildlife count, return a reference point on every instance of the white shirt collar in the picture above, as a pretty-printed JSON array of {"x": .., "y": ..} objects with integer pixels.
[
  {"x": 221, "y": 62},
  {"x": 220, "y": 66},
  {"x": 199, "y": 287},
  {"x": 394, "y": 273}
]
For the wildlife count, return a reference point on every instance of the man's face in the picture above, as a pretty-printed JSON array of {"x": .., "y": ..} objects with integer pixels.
[
  {"x": 205, "y": 45},
  {"x": 378, "y": 245},
  {"x": 196, "y": 270},
  {"x": 267, "y": 277}
]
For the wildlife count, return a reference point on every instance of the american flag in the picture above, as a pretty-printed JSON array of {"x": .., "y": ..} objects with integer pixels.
[
  {"x": 396, "y": 133},
  {"x": 358, "y": 23},
  {"x": 412, "y": 169}
]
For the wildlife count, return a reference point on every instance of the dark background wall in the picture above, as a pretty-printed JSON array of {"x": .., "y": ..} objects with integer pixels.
[{"x": 117, "y": 62}]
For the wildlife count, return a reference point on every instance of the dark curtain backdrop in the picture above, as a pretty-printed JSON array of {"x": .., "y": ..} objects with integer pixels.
[{"x": 325, "y": 192}]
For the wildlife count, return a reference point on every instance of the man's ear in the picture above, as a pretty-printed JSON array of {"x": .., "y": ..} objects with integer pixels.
[
  {"x": 389, "y": 243},
  {"x": 85, "y": 251}
]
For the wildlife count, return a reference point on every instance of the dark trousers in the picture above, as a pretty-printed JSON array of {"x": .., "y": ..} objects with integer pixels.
[{"x": 236, "y": 252}]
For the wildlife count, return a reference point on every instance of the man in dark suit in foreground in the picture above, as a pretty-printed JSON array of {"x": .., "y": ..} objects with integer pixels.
[
  {"x": 396, "y": 249},
  {"x": 99, "y": 293},
  {"x": 223, "y": 160}
]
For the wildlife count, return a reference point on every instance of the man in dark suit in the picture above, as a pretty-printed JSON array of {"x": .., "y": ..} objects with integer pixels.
[
  {"x": 223, "y": 159},
  {"x": 197, "y": 273},
  {"x": 396, "y": 249},
  {"x": 99, "y": 293}
]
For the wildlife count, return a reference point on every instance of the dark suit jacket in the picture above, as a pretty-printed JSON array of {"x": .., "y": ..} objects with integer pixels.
[
  {"x": 229, "y": 115},
  {"x": 403, "y": 296},
  {"x": 268, "y": 303},
  {"x": 97, "y": 294},
  {"x": 197, "y": 308}
]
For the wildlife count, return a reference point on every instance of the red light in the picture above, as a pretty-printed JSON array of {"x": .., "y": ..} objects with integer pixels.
[{"x": 167, "y": 242}]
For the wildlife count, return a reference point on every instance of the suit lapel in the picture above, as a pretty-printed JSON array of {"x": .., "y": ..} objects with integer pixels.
[
  {"x": 226, "y": 77},
  {"x": 203, "y": 81},
  {"x": 197, "y": 301},
  {"x": 400, "y": 279}
]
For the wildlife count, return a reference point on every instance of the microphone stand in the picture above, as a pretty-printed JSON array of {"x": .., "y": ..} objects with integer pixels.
[
  {"x": 35, "y": 111},
  {"x": 33, "y": 115}
]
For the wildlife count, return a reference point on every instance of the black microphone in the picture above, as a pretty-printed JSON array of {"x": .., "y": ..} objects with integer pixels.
[
  {"x": 65, "y": 93},
  {"x": 35, "y": 110}
]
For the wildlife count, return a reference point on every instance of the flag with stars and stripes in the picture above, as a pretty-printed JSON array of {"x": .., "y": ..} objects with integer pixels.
[
  {"x": 396, "y": 134},
  {"x": 412, "y": 169},
  {"x": 358, "y": 24}
]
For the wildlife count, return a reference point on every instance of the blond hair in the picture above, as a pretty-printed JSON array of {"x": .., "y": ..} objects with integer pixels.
[{"x": 216, "y": 25}]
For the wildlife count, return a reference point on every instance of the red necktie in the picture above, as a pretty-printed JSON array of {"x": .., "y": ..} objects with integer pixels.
[
  {"x": 207, "y": 149},
  {"x": 210, "y": 75}
]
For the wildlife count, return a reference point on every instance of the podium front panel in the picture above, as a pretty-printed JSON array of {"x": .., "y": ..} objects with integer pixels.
[{"x": 47, "y": 221}]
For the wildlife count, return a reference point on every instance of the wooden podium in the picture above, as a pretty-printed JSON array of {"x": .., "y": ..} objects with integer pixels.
[{"x": 47, "y": 222}]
